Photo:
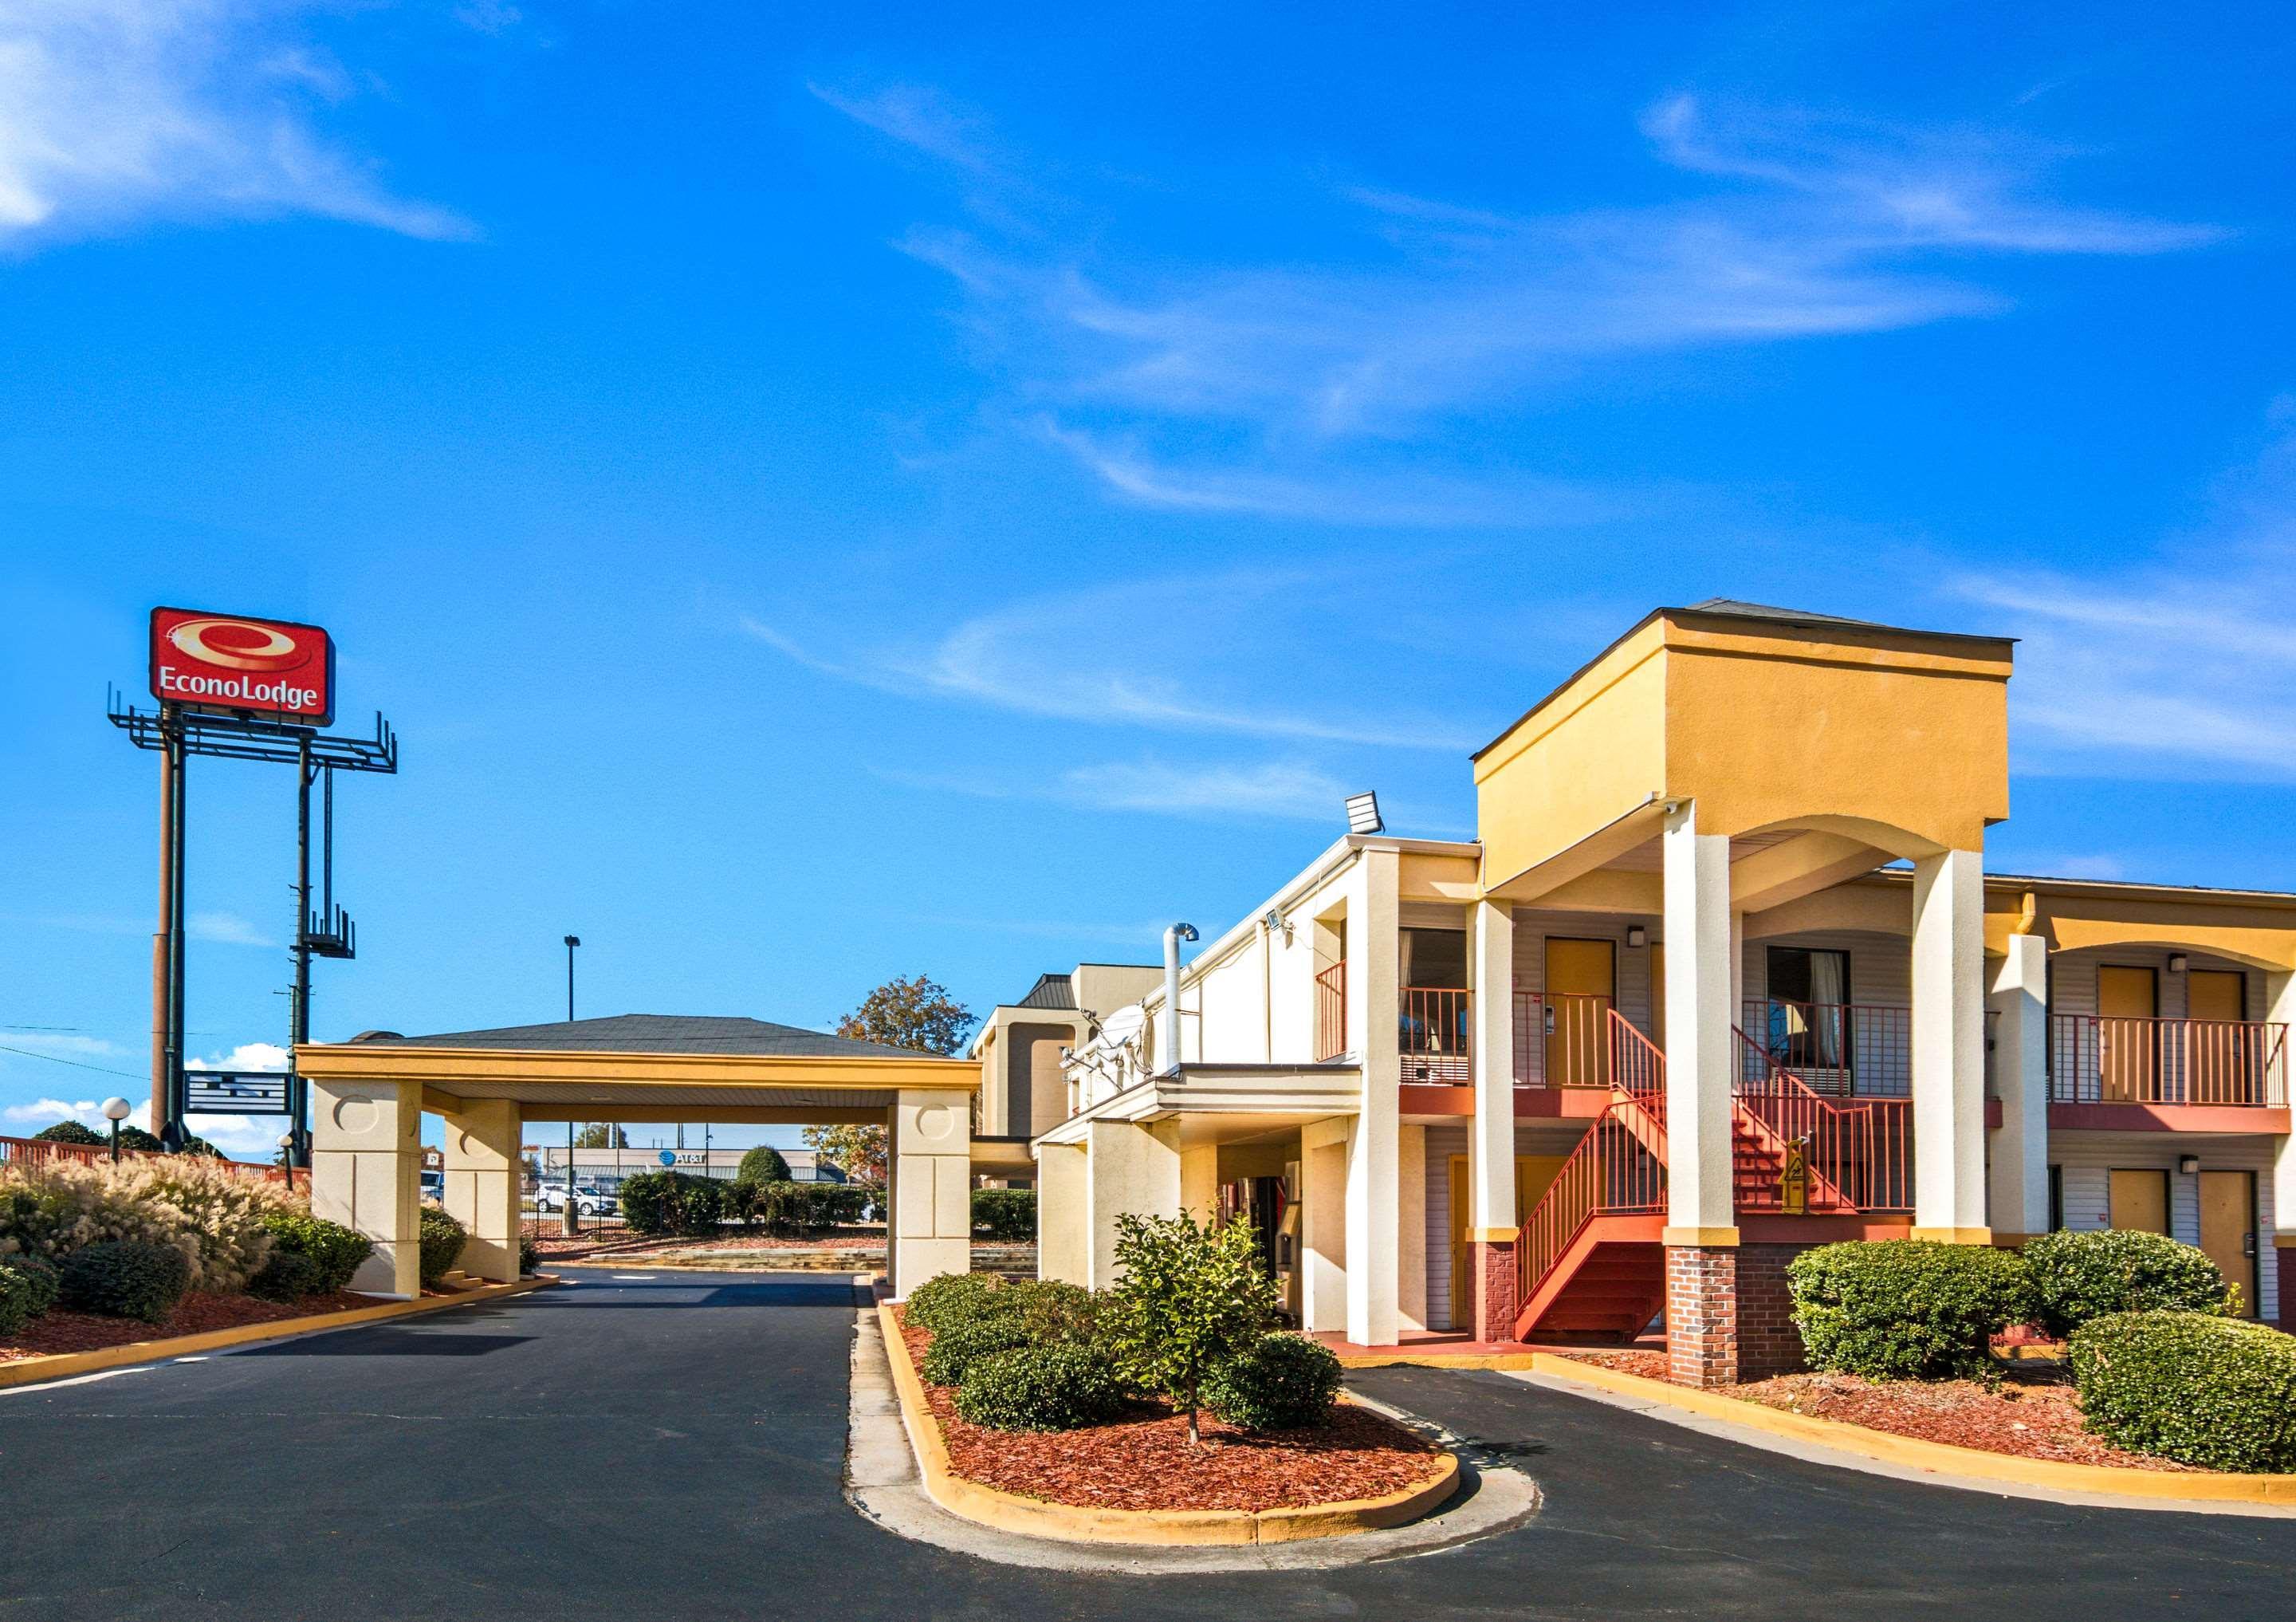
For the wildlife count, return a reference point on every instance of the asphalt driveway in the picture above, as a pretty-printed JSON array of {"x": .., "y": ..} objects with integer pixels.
[{"x": 672, "y": 1447}]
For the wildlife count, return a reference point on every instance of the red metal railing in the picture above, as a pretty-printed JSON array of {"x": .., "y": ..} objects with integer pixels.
[
  {"x": 1435, "y": 1026},
  {"x": 1840, "y": 1049},
  {"x": 1636, "y": 1064},
  {"x": 1331, "y": 1011},
  {"x": 29, "y": 1153},
  {"x": 1562, "y": 1039},
  {"x": 2096, "y": 1059},
  {"x": 1859, "y": 1155},
  {"x": 1619, "y": 1169}
]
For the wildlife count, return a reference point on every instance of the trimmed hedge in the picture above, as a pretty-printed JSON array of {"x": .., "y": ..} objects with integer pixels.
[
  {"x": 763, "y": 1164},
  {"x": 1283, "y": 1383},
  {"x": 2077, "y": 1277},
  {"x": 944, "y": 1301},
  {"x": 124, "y": 1279},
  {"x": 288, "y": 1276},
  {"x": 657, "y": 1203},
  {"x": 443, "y": 1239},
  {"x": 2192, "y": 1387},
  {"x": 1061, "y": 1387},
  {"x": 529, "y": 1255},
  {"x": 1905, "y": 1309},
  {"x": 793, "y": 1209},
  {"x": 332, "y": 1249},
  {"x": 28, "y": 1287},
  {"x": 1004, "y": 1214},
  {"x": 956, "y": 1349}
]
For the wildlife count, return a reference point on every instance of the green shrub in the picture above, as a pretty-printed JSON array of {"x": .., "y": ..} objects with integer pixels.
[
  {"x": 529, "y": 1255},
  {"x": 1283, "y": 1383},
  {"x": 1050, "y": 1310},
  {"x": 71, "y": 1132},
  {"x": 959, "y": 1347},
  {"x": 1190, "y": 1299},
  {"x": 124, "y": 1279},
  {"x": 763, "y": 1164},
  {"x": 1905, "y": 1309},
  {"x": 333, "y": 1250},
  {"x": 442, "y": 1240},
  {"x": 1038, "y": 1387},
  {"x": 1004, "y": 1214},
  {"x": 50, "y": 1211},
  {"x": 28, "y": 1287},
  {"x": 793, "y": 1209},
  {"x": 136, "y": 1138},
  {"x": 2194, "y": 1387},
  {"x": 288, "y": 1276},
  {"x": 225, "y": 1216},
  {"x": 944, "y": 1301},
  {"x": 2081, "y": 1276},
  {"x": 657, "y": 1203}
]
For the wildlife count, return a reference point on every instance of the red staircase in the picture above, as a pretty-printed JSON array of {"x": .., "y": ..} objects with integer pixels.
[{"x": 1591, "y": 1257}]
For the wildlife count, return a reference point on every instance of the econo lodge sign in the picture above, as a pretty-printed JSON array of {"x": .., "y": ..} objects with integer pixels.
[{"x": 260, "y": 667}]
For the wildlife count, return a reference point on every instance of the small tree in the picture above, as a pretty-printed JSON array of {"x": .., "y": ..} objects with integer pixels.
[
  {"x": 763, "y": 1164},
  {"x": 1190, "y": 1299},
  {"x": 917, "y": 1013},
  {"x": 599, "y": 1135},
  {"x": 859, "y": 1152}
]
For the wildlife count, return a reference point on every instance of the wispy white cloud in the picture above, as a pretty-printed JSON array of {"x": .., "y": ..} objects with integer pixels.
[
  {"x": 1175, "y": 655},
  {"x": 1805, "y": 229},
  {"x": 1290, "y": 790},
  {"x": 2184, "y": 667},
  {"x": 917, "y": 116},
  {"x": 225, "y": 929},
  {"x": 58, "y": 1043},
  {"x": 113, "y": 111}
]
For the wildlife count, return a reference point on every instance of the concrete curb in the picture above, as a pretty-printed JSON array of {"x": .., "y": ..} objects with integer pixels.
[
  {"x": 1072, "y": 1523},
  {"x": 63, "y": 1365},
  {"x": 1974, "y": 1467}
]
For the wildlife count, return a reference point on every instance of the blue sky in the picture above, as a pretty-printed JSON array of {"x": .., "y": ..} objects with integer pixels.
[{"x": 827, "y": 495}]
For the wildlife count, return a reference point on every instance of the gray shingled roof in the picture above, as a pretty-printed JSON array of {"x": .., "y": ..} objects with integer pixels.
[
  {"x": 654, "y": 1034},
  {"x": 1736, "y": 609},
  {"x": 1050, "y": 991}
]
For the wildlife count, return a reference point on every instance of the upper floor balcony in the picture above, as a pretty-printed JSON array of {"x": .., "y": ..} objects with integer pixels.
[{"x": 2107, "y": 1059}]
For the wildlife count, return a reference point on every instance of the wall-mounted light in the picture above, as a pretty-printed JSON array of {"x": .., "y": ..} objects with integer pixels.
[
  {"x": 1636, "y": 935},
  {"x": 2190, "y": 1166},
  {"x": 1276, "y": 923},
  {"x": 2178, "y": 962}
]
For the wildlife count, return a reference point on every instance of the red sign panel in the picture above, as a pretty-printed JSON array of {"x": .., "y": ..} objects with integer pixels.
[{"x": 253, "y": 667}]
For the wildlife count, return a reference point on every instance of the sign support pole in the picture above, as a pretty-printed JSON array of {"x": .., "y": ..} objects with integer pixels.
[
  {"x": 163, "y": 938},
  {"x": 299, "y": 1020},
  {"x": 171, "y": 1131}
]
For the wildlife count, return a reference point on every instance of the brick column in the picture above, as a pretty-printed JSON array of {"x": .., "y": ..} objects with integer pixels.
[
  {"x": 1702, "y": 1313},
  {"x": 1767, "y": 1341},
  {"x": 1497, "y": 1275}
]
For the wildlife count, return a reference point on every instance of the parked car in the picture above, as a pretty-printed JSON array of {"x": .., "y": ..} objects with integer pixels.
[
  {"x": 434, "y": 1187},
  {"x": 587, "y": 1202}
]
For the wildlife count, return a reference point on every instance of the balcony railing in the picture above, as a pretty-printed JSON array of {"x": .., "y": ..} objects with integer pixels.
[
  {"x": 1842, "y": 1049},
  {"x": 1331, "y": 1011},
  {"x": 1435, "y": 1028},
  {"x": 1563, "y": 1039},
  {"x": 2105, "y": 1060}
]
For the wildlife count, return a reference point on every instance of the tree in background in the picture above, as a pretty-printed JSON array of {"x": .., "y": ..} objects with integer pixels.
[
  {"x": 599, "y": 1135},
  {"x": 763, "y": 1164},
  {"x": 917, "y": 1013},
  {"x": 71, "y": 1132},
  {"x": 858, "y": 1151}
]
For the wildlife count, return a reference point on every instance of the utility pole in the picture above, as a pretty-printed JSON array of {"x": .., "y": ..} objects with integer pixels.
[{"x": 573, "y": 1224}]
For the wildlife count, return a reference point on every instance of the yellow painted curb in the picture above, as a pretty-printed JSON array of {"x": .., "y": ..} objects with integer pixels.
[
  {"x": 1943, "y": 1458},
  {"x": 63, "y": 1365},
  {"x": 1436, "y": 1360},
  {"x": 1075, "y": 1523}
]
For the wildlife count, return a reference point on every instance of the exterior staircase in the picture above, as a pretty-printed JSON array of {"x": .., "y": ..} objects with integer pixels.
[{"x": 1592, "y": 1262}]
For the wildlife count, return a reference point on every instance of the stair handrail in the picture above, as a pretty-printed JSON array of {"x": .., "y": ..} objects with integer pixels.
[
  {"x": 1854, "y": 1152},
  {"x": 1638, "y": 1064}
]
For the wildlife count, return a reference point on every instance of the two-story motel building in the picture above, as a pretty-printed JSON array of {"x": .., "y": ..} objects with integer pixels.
[{"x": 1723, "y": 976}]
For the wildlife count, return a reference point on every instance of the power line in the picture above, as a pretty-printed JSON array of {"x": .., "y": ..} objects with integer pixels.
[{"x": 75, "y": 1064}]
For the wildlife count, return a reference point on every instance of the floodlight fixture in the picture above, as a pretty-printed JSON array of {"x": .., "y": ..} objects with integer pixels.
[{"x": 1363, "y": 814}]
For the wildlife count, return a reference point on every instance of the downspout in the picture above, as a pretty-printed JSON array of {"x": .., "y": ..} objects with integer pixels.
[{"x": 1168, "y": 1038}]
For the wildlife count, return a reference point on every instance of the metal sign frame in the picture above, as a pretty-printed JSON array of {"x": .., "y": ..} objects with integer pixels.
[{"x": 239, "y": 1093}]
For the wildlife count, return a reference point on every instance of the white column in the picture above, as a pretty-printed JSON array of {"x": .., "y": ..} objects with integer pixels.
[
  {"x": 930, "y": 1157},
  {"x": 482, "y": 1185},
  {"x": 1323, "y": 1153},
  {"x": 1373, "y": 961},
  {"x": 1411, "y": 1220},
  {"x": 1200, "y": 1180},
  {"x": 1948, "y": 1034},
  {"x": 1490, "y": 1131},
  {"x": 366, "y": 1173},
  {"x": 1702, "y": 1054},
  {"x": 1130, "y": 1168},
  {"x": 2018, "y": 1187},
  {"x": 2280, "y": 1003}
]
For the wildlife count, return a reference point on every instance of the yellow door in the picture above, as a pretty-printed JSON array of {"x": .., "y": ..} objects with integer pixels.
[
  {"x": 2128, "y": 1048},
  {"x": 2228, "y": 1229},
  {"x": 2140, "y": 1200},
  {"x": 2217, "y": 1050},
  {"x": 1534, "y": 1175},
  {"x": 1581, "y": 984}
]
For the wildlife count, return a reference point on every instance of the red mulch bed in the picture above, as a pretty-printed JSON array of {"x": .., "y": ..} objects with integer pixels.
[
  {"x": 1146, "y": 1463},
  {"x": 2033, "y": 1413},
  {"x": 59, "y": 1331}
]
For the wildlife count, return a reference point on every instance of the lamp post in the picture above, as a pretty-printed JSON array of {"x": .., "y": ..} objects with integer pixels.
[
  {"x": 115, "y": 1110},
  {"x": 287, "y": 1157},
  {"x": 572, "y": 1220}
]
